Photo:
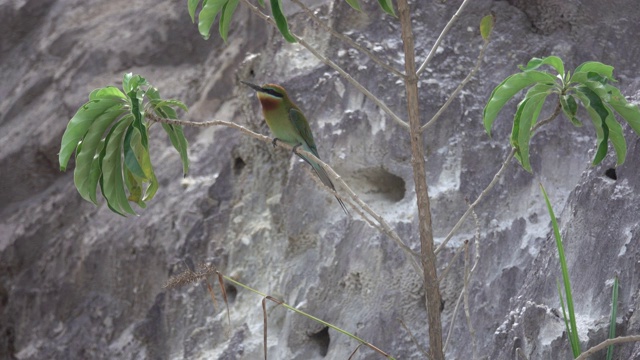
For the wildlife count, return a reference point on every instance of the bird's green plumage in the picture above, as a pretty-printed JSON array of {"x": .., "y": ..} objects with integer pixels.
[{"x": 288, "y": 124}]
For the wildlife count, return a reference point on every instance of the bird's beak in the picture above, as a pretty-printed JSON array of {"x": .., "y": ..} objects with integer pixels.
[{"x": 253, "y": 86}]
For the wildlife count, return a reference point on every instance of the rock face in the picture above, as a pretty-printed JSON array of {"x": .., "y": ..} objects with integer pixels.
[{"x": 77, "y": 281}]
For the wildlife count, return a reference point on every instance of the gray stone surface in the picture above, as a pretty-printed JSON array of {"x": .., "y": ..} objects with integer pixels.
[{"x": 79, "y": 282}]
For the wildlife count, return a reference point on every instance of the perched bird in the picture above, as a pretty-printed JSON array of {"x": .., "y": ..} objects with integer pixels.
[{"x": 288, "y": 124}]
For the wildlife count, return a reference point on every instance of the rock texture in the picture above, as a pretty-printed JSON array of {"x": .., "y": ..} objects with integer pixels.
[{"x": 77, "y": 281}]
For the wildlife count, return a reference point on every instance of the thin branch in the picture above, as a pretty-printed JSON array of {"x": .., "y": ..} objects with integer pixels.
[
  {"x": 348, "y": 40},
  {"x": 467, "y": 279},
  {"x": 484, "y": 192},
  {"x": 444, "y": 273},
  {"x": 385, "y": 226},
  {"x": 555, "y": 113},
  {"x": 334, "y": 66},
  {"x": 432, "y": 53},
  {"x": 459, "y": 88},
  {"x": 453, "y": 318},
  {"x": 381, "y": 226},
  {"x": 190, "y": 276},
  {"x": 415, "y": 341},
  {"x": 606, "y": 343},
  {"x": 496, "y": 177}
]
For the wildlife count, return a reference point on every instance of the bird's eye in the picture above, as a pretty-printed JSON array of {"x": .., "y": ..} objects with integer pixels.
[{"x": 273, "y": 92}]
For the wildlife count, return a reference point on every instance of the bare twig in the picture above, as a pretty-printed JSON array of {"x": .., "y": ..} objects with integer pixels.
[
  {"x": 415, "y": 341},
  {"x": 496, "y": 177},
  {"x": 190, "y": 276},
  {"x": 334, "y": 66},
  {"x": 467, "y": 279},
  {"x": 453, "y": 318},
  {"x": 432, "y": 289},
  {"x": 354, "y": 352},
  {"x": 444, "y": 273},
  {"x": 264, "y": 319},
  {"x": 358, "y": 205},
  {"x": 348, "y": 40},
  {"x": 606, "y": 343},
  {"x": 459, "y": 88},
  {"x": 384, "y": 226},
  {"x": 432, "y": 53},
  {"x": 464, "y": 294},
  {"x": 555, "y": 113}
]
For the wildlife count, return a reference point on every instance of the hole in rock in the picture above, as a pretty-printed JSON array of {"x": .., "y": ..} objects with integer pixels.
[
  {"x": 611, "y": 174},
  {"x": 379, "y": 184},
  {"x": 232, "y": 292},
  {"x": 238, "y": 165},
  {"x": 321, "y": 340}
]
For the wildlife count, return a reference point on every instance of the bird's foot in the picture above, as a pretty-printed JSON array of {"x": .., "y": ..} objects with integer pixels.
[
  {"x": 295, "y": 148},
  {"x": 274, "y": 142}
]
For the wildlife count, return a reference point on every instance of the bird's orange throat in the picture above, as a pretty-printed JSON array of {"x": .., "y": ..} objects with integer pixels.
[{"x": 268, "y": 103}]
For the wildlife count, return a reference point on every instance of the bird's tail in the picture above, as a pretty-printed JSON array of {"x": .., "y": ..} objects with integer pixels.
[{"x": 326, "y": 180}]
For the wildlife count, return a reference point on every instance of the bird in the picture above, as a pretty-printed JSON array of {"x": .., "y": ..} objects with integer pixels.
[{"x": 289, "y": 125}]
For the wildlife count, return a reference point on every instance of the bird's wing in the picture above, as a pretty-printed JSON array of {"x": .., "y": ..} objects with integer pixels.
[{"x": 300, "y": 123}]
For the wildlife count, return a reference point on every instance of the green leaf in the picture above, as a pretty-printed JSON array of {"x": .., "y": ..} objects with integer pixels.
[
  {"x": 112, "y": 181},
  {"x": 628, "y": 111},
  {"x": 507, "y": 89},
  {"x": 79, "y": 125},
  {"x": 573, "y": 333},
  {"x": 612, "y": 127},
  {"x": 134, "y": 185},
  {"x": 597, "y": 67},
  {"x": 135, "y": 99},
  {"x": 515, "y": 130},
  {"x": 593, "y": 82},
  {"x": 539, "y": 89},
  {"x": 132, "y": 152},
  {"x": 486, "y": 26},
  {"x": 565, "y": 317},
  {"x": 616, "y": 136},
  {"x": 552, "y": 61},
  {"x": 597, "y": 115},
  {"x": 387, "y": 6},
  {"x": 281, "y": 20},
  {"x": 152, "y": 188},
  {"x": 192, "y": 5},
  {"x": 87, "y": 155},
  {"x": 126, "y": 79},
  {"x": 132, "y": 82},
  {"x": 207, "y": 16},
  {"x": 109, "y": 92},
  {"x": 179, "y": 142},
  {"x": 354, "y": 4},
  {"x": 95, "y": 172},
  {"x": 176, "y": 103},
  {"x": 176, "y": 135},
  {"x": 570, "y": 108},
  {"x": 531, "y": 108},
  {"x": 261, "y": 3},
  {"x": 225, "y": 18}
]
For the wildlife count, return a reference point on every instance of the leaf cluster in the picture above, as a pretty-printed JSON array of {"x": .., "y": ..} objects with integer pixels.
[
  {"x": 226, "y": 8},
  {"x": 590, "y": 85},
  {"x": 110, "y": 139}
]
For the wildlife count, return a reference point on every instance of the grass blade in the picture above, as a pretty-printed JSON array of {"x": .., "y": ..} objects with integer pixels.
[
  {"x": 573, "y": 335},
  {"x": 612, "y": 322}
]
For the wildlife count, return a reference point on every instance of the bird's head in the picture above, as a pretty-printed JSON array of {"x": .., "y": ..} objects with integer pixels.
[{"x": 270, "y": 95}]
